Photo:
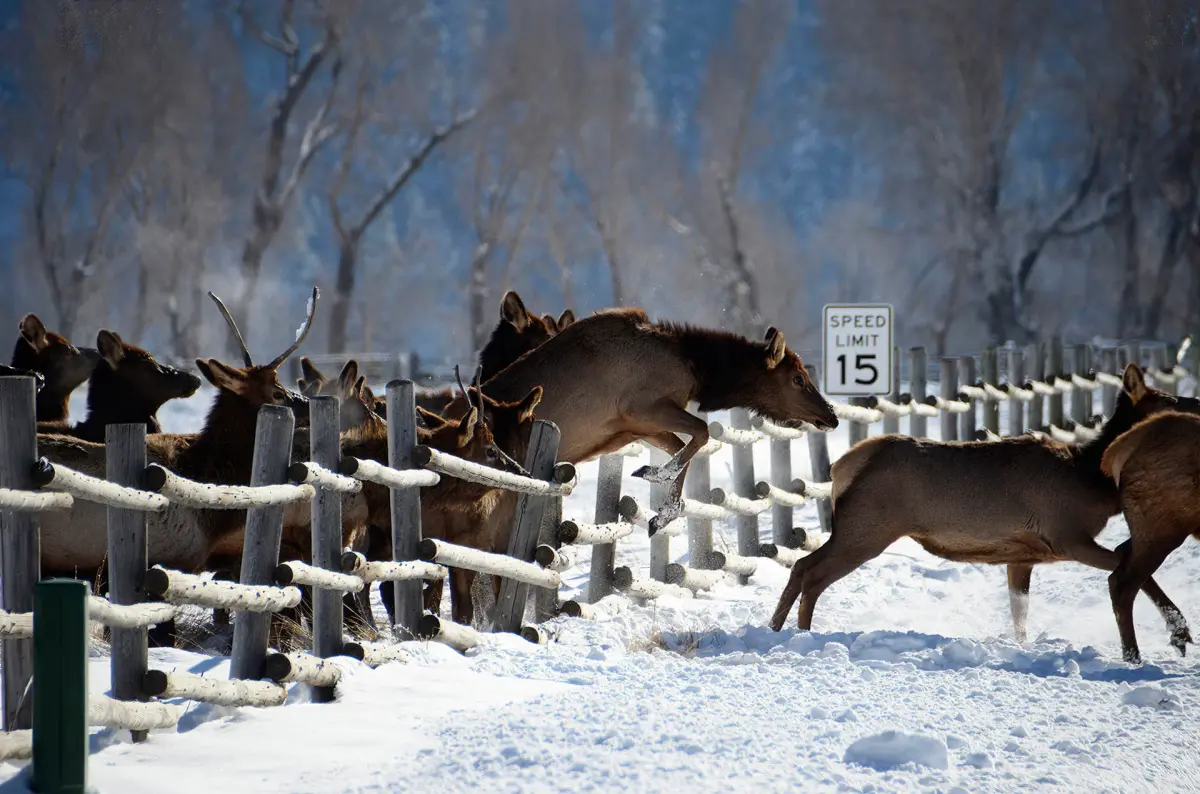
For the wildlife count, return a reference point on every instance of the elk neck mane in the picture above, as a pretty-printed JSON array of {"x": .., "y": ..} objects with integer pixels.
[
  {"x": 226, "y": 443},
  {"x": 724, "y": 364},
  {"x": 108, "y": 396}
]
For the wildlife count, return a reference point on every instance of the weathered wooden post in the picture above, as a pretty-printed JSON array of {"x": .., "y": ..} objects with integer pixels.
[
  {"x": 1035, "y": 371},
  {"x": 60, "y": 712},
  {"x": 405, "y": 504},
  {"x": 891, "y": 423},
  {"x": 325, "y": 418},
  {"x": 781, "y": 477},
  {"x": 858, "y": 430},
  {"x": 990, "y": 372},
  {"x": 917, "y": 366},
  {"x": 608, "y": 498},
  {"x": 743, "y": 486},
  {"x": 127, "y": 557},
  {"x": 1133, "y": 354},
  {"x": 818, "y": 459},
  {"x": 1081, "y": 399},
  {"x": 539, "y": 462},
  {"x": 966, "y": 377},
  {"x": 20, "y": 553},
  {"x": 264, "y": 529},
  {"x": 1108, "y": 363},
  {"x": 697, "y": 486},
  {"x": 660, "y": 544},
  {"x": 1055, "y": 369},
  {"x": 545, "y": 599},
  {"x": 949, "y": 387},
  {"x": 1016, "y": 377},
  {"x": 1160, "y": 366}
]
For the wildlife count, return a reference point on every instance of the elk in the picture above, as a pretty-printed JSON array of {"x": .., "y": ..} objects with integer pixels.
[
  {"x": 358, "y": 403},
  {"x": 128, "y": 386},
  {"x": 1018, "y": 502},
  {"x": 1156, "y": 466},
  {"x": 63, "y": 366},
  {"x": 615, "y": 377}
]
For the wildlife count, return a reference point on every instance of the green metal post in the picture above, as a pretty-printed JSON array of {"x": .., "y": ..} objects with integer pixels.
[{"x": 60, "y": 658}]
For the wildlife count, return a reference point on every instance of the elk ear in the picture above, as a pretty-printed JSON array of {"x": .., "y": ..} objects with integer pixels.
[
  {"x": 111, "y": 348},
  {"x": 513, "y": 311},
  {"x": 430, "y": 419},
  {"x": 776, "y": 348},
  {"x": 359, "y": 385},
  {"x": 348, "y": 376},
  {"x": 527, "y": 406},
  {"x": 1134, "y": 383},
  {"x": 33, "y": 331},
  {"x": 551, "y": 323},
  {"x": 311, "y": 373},
  {"x": 466, "y": 427},
  {"x": 565, "y": 319},
  {"x": 221, "y": 375}
]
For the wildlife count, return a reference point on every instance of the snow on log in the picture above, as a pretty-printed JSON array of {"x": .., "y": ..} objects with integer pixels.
[
  {"x": 1063, "y": 386},
  {"x": 185, "y": 588},
  {"x": 855, "y": 413},
  {"x": 1042, "y": 389},
  {"x": 553, "y": 559},
  {"x": 374, "y": 654},
  {"x": 813, "y": 490},
  {"x": 738, "y": 504},
  {"x": 1108, "y": 379},
  {"x": 645, "y": 589},
  {"x": 974, "y": 392},
  {"x": 1017, "y": 393},
  {"x": 307, "y": 473},
  {"x": 33, "y": 502},
  {"x": 448, "y": 554},
  {"x": 780, "y": 554},
  {"x": 57, "y": 477},
  {"x": 439, "y": 461},
  {"x": 630, "y": 510},
  {"x": 993, "y": 393},
  {"x": 593, "y": 534},
  {"x": 606, "y": 607},
  {"x": 284, "y": 668},
  {"x": 692, "y": 579},
  {"x": 708, "y": 449},
  {"x": 732, "y": 435},
  {"x": 1063, "y": 436},
  {"x": 16, "y": 745},
  {"x": 949, "y": 406},
  {"x": 209, "y": 496},
  {"x": 772, "y": 430},
  {"x": 376, "y": 472},
  {"x": 890, "y": 408},
  {"x": 732, "y": 563},
  {"x": 456, "y": 635},
  {"x": 135, "y": 616},
  {"x": 1083, "y": 433},
  {"x": 218, "y": 691},
  {"x": 1085, "y": 383},
  {"x": 16, "y": 625},
  {"x": 132, "y": 715},
  {"x": 766, "y": 490},
  {"x": 301, "y": 573},
  {"x": 538, "y": 635},
  {"x": 355, "y": 563}
]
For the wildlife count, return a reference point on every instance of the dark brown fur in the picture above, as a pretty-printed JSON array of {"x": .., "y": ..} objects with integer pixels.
[{"x": 64, "y": 366}]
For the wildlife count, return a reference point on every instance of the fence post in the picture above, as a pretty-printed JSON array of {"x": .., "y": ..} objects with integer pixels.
[
  {"x": 20, "y": 555},
  {"x": 781, "y": 477},
  {"x": 1081, "y": 399},
  {"x": 1108, "y": 394},
  {"x": 949, "y": 386},
  {"x": 743, "y": 486},
  {"x": 818, "y": 460},
  {"x": 990, "y": 372},
  {"x": 857, "y": 430},
  {"x": 405, "y": 504},
  {"x": 1054, "y": 369},
  {"x": 1160, "y": 365},
  {"x": 966, "y": 377},
  {"x": 697, "y": 486},
  {"x": 891, "y": 424},
  {"x": 545, "y": 599},
  {"x": 539, "y": 462},
  {"x": 660, "y": 544},
  {"x": 60, "y": 713},
  {"x": 264, "y": 528},
  {"x": 1133, "y": 355},
  {"x": 917, "y": 367},
  {"x": 127, "y": 558},
  {"x": 1016, "y": 377},
  {"x": 325, "y": 417},
  {"x": 1035, "y": 370},
  {"x": 608, "y": 498}
]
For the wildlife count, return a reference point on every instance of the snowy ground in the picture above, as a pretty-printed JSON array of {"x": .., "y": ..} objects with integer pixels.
[{"x": 911, "y": 681}]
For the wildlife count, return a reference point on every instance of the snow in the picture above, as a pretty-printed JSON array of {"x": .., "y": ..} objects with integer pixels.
[{"x": 911, "y": 680}]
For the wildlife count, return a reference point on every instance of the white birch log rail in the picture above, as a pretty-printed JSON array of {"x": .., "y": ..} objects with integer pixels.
[
  {"x": 813, "y": 490},
  {"x": 781, "y": 554},
  {"x": 1063, "y": 436},
  {"x": 738, "y": 504},
  {"x": 983, "y": 434},
  {"x": 552, "y": 559},
  {"x": 436, "y": 460},
  {"x": 1108, "y": 379},
  {"x": 126, "y": 715},
  {"x": 645, "y": 589},
  {"x": 692, "y": 579},
  {"x": 16, "y": 745},
  {"x": 355, "y": 563},
  {"x": 766, "y": 490},
  {"x": 974, "y": 392},
  {"x": 457, "y": 636},
  {"x": 219, "y": 692},
  {"x": 633, "y": 513},
  {"x": 1017, "y": 393},
  {"x": 593, "y": 534},
  {"x": 56, "y": 477},
  {"x": 772, "y": 430},
  {"x": 16, "y": 625},
  {"x": 502, "y": 565},
  {"x": 1063, "y": 386},
  {"x": 301, "y": 573},
  {"x": 210, "y": 496},
  {"x": 136, "y": 616},
  {"x": 376, "y": 472},
  {"x": 856, "y": 413},
  {"x": 538, "y": 635},
  {"x": 733, "y": 563},
  {"x": 33, "y": 501},
  {"x": 307, "y": 473},
  {"x": 607, "y": 607},
  {"x": 994, "y": 393},
  {"x": 732, "y": 435},
  {"x": 305, "y": 668},
  {"x": 1085, "y": 383},
  {"x": 949, "y": 406},
  {"x": 176, "y": 587},
  {"x": 1043, "y": 389},
  {"x": 375, "y": 654}
]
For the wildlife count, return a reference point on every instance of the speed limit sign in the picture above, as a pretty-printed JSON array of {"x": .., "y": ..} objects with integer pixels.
[{"x": 857, "y": 349}]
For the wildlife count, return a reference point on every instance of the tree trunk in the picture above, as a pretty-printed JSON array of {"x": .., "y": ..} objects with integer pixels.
[
  {"x": 477, "y": 295},
  {"x": 1130, "y": 304},
  {"x": 343, "y": 291},
  {"x": 143, "y": 296},
  {"x": 1164, "y": 278}
]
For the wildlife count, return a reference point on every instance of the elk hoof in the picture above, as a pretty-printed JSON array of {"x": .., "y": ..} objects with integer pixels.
[
  {"x": 1179, "y": 640},
  {"x": 1131, "y": 656},
  {"x": 665, "y": 515},
  {"x": 655, "y": 475}
]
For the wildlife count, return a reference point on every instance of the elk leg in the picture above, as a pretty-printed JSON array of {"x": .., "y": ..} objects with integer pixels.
[
  {"x": 1019, "y": 576},
  {"x": 462, "y": 609},
  {"x": 667, "y": 418},
  {"x": 1138, "y": 563}
]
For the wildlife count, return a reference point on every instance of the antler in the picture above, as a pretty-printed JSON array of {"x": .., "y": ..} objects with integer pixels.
[
  {"x": 304, "y": 329},
  {"x": 237, "y": 335},
  {"x": 478, "y": 388},
  {"x": 461, "y": 387}
]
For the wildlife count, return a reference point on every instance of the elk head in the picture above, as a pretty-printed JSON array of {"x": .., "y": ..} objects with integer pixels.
[
  {"x": 313, "y": 380},
  {"x": 518, "y": 332},
  {"x": 64, "y": 366},
  {"x": 258, "y": 384},
  {"x": 783, "y": 391},
  {"x": 137, "y": 376},
  {"x": 1137, "y": 400}
]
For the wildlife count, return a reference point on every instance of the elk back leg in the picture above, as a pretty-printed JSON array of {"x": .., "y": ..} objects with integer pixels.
[
  {"x": 462, "y": 608},
  {"x": 1140, "y": 558},
  {"x": 658, "y": 421},
  {"x": 1019, "y": 576}
]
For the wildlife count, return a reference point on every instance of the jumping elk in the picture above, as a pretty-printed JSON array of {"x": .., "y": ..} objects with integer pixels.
[
  {"x": 1017, "y": 502},
  {"x": 63, "y": 366}
]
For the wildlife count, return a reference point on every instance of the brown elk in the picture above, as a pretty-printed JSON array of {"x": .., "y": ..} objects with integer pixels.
[
  {"x": 64, "y": 366},
  {"x": 615, "y": 377},
  {"x": 128, "y": 386},
  {"x": 1018, "y": 502},
  {"x": 358, "y": 404},
  {"x": 1156, "y": 466}
]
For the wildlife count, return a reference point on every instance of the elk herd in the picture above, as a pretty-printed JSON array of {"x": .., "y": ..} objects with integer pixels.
[{"x": 607, "y": 380}]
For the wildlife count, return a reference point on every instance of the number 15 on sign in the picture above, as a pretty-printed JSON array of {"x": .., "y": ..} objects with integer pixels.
[{"x": 856, "y": 353}]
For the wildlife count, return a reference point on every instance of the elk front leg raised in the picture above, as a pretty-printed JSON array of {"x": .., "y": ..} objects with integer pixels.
[{"x": 658, "y": 424}]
